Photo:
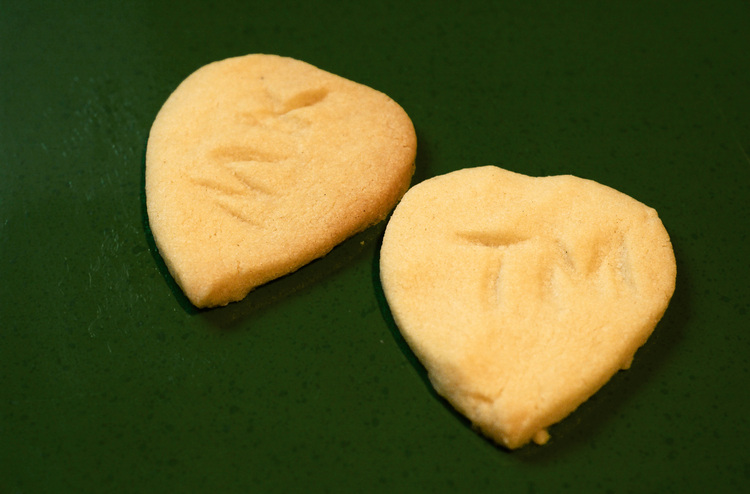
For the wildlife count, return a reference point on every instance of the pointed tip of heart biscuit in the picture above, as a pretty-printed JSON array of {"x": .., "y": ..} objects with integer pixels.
[{"x": 523, "y": 296}]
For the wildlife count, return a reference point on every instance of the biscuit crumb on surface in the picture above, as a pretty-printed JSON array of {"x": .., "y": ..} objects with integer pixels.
[
  {"x": 522, "y": 296},
  {"x": 541, "y": 437}
]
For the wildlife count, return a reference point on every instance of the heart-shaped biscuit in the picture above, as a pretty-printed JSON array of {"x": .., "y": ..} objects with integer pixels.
[
  {"x": 523, "y": 296},
  {"x": 257, "y": 165}
]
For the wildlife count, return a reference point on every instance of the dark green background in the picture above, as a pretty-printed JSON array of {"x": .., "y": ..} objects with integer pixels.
[{"x": 110, "y": 382}]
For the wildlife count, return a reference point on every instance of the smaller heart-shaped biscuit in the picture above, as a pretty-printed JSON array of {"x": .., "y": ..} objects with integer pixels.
[
  {"x": 523, "y": 296},
  {"x": 257, "y": 165}
]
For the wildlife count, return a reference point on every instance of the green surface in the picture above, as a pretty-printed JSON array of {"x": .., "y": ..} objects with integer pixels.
[{"x": 110, "y": 382}]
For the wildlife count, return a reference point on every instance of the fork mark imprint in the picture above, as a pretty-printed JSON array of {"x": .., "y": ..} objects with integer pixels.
[
  {"x": 234, "y": 211},
  {"x": 304, "y": 99},
  {"x": 220, "y": 187},
  {"x": 490, "y": 239},
  {"x": 234, "y": 154},
  {"x": 625, "y": 264}
]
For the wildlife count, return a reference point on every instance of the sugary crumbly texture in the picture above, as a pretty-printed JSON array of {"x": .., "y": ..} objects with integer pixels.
[
  {"x": 523, "y": 296},
  {"x": 257, "y": 165}
]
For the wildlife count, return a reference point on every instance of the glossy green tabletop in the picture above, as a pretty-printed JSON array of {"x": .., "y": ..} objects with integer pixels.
[{"x": 111, "y": 382}]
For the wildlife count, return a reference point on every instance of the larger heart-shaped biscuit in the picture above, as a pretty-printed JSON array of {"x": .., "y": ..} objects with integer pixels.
[
  {"x": 257, "y": 165},
  {"x": 523, "y": 296}
]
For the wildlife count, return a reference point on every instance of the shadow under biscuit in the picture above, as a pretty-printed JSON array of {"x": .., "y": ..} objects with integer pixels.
[
  {"x": 154, "y": 251},
  {"x": 230, "y": 316},
  {"x": 403, "y": 346}
]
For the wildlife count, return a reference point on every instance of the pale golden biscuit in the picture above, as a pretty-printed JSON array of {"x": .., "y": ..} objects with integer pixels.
[
  {"x": 523, "y": 296},
  {"x": 257, "y": 165}
]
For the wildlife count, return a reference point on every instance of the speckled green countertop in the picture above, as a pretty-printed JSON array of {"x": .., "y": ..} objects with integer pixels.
[{"x": 111, "y": 382}]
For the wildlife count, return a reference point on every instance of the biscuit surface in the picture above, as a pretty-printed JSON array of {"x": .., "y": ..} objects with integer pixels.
[
  {"x": 522, "y": 296},
  {"x": 257, "y": 165}
]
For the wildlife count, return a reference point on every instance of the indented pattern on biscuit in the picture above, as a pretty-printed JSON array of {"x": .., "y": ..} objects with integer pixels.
[
  {"x": 492, "y": 282},
  {"x": 235, "y": 186},
  {"x": 565, "y": 254},
  {"x": 480, "y": 398},
  {"x": 232, "y": 189},
  {"x": 602, "y": 263},
  {"x": 497, "y": 287},
  {"x": 304, "y": 99},
  {"x": 249, "y": 181},
  {"x": 235, "y": 210},
  {"x": 276, "y": 105},
  {"x": 493, "y": 239},
  {"x": 625, "y": 264},
  {"x": 250, "y": 118},
  {"x": 597, "y": 252},
  {"x": 270, "y": 111},
  {"x": 223, "y": 187},
  {"x": 608, "y": 261},
  {"x": 238, "y": 154}
]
